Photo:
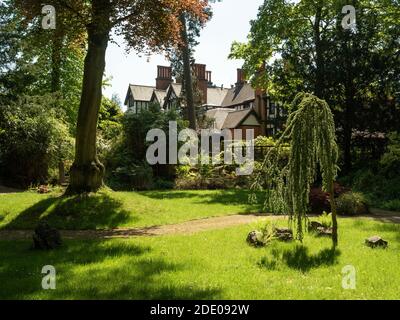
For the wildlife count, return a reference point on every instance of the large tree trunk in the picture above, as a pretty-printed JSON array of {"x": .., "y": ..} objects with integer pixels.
[
  {"x": 56, "y": 57},
  {"x": 187, "y": 75},
  {"x": 87, "y": 171}
]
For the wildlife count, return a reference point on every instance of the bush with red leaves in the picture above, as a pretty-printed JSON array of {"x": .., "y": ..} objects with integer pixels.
[{"x": 319, "y": 200}]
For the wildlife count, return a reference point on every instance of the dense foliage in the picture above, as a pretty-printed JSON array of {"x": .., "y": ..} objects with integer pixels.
[
  {"x": 305, "y": 48},
  {"x": 379, "y": 180},
  {"x": 34, "y": 139},
  {"x": 126, "y": 159}
]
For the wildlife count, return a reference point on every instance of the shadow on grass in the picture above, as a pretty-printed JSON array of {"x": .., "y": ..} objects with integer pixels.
[
  {"x": 75, "y": 212},
  {"x": 94, "y": 270},
  {"x": 223, "y": 197},
  {"x": 383, "y": 225},
  {"x": 299, "y": 258}
]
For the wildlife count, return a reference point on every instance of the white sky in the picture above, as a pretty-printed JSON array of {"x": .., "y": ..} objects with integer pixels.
[{"x": 230, "y": 23}]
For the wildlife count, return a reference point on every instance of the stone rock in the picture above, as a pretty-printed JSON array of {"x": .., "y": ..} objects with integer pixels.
[
  {"x": 375, "y": 242},
  {"x": 314, "y": 225},
  {"x": 43, "y": 189},
  {"x": 324, "y": 231},
  {"x": 254, "y": 238},
  {"x": 46, "y": 238},
  {"x": 283, "y": 234}
]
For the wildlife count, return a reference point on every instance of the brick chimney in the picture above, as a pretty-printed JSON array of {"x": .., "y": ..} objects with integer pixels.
[
  {"x": 164, "y": 77},
  {"x": 202, "y": 80},
  {"x": 241, "y": 79}
]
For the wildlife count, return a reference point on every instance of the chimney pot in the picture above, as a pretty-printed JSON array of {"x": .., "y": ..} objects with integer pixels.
[{"x": 208, "y": 76}]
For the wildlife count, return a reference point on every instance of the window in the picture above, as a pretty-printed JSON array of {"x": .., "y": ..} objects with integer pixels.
[{"x": 272, "y": 110}]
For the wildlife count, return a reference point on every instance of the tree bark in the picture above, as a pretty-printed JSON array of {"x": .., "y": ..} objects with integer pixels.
[
  {"x": 56, "y": 57},
  {"x": 187, "y": 75},
  {"x": 334, "y": 216},
  {"x": 348, "y": 129},
  {"x": 61, "y": 173},
  {"x": 319, "y": 77},
  {"x": 349, "y": 105},
  {"x": 87, "y": 171}
]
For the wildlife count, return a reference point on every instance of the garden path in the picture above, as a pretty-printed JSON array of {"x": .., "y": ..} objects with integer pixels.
[{"x": 185, "y": 228}]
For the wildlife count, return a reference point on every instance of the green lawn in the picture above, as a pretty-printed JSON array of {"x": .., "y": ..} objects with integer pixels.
[
  {"x": 109, "y": 209},
  {"x": 208, "y": 265}
]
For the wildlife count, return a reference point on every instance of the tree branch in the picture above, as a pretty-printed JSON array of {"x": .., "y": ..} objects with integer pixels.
[{"x": 72, "y": 9}]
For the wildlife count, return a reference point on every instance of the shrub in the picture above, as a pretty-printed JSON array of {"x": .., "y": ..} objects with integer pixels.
[
  {"x": 34, "y": 138},
  {"x": 197, "y": 182},
  {"x": 319, "y": 201},
  {"x": 326, "y": 220},
  {"x": 390, "y": 161},
  {"x": 125, "y": 154},
  {"x": 163, "y": 184},
  {"x": 265, "y": 234},
  {"x": 339, "y": 189},
  {"x": 208, "y": 176},
  {"x": 134, "y": 176},
  {"x": 352, "y": 203},
  {"x": 379, "y": 189},
  {"x": 393, "y": 205}
]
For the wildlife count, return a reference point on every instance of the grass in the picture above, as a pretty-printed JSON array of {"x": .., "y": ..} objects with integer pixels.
[
  {"x": 208, "y": 265},
  {"x": 109, "y": 209}
]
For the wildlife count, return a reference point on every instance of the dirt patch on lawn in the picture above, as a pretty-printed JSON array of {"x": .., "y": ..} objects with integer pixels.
[{"x": 184, "y": 228}]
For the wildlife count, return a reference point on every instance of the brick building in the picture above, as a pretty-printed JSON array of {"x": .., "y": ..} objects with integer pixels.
[{"x": 238, "y": 107}]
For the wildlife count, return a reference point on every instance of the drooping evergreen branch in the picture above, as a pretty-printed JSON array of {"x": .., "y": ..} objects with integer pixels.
[{"x": 310, "y": 130}]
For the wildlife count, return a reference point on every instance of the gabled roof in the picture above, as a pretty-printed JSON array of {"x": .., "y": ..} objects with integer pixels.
[
  {"x": 219, "y": 115},
  {"x": 215, "y": 96},
  {"x": 160, "y": 95},
  {"x": 226, "y": 118},
  {"x": 177, "y": 87},
  {"x": 236, "y": 118},
  {"x": 140, "y": 93},
  {"x": 239, "y": 95}
]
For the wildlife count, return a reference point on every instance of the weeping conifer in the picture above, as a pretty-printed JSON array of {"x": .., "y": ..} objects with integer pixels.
[{"x": 310, "y": 131}]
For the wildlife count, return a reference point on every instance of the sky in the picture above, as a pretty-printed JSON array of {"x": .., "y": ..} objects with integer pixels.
[{"x": 230, "y": 22}]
